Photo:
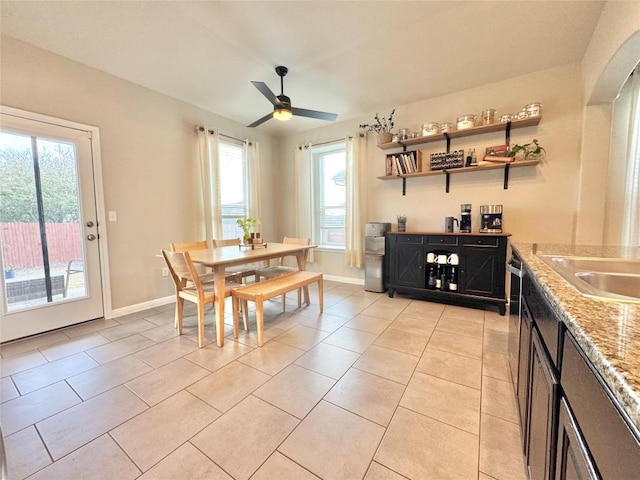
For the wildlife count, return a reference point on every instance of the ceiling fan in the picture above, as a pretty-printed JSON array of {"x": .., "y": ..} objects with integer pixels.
[{"x": 282, "y": 109}]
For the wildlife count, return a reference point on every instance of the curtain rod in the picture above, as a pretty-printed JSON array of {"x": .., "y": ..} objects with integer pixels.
[
  {"x": 211, "y": 131},
  {"x": 350, "y": 137}
]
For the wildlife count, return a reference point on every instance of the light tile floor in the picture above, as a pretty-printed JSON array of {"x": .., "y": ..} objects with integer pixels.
[{"x": 374, "y": 388}]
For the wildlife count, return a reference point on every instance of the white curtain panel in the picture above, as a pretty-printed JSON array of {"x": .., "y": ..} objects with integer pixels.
[
  {"x": 252, "y": 155},
  {"x": 205, "y": 183},
  {"x": 631, "y": 216},
  {"x": 304, "y": 195},
  {"x": 356, "y": 200},
  {"x": 209, "y": 181}
]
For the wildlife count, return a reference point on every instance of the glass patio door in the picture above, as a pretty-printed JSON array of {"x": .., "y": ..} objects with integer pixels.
[{"x": 48, "y": 228}]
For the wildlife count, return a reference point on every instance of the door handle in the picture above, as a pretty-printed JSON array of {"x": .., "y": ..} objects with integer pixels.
[
  {"x": 514, "y": 269},
  {"x": 91, "y": 237}
]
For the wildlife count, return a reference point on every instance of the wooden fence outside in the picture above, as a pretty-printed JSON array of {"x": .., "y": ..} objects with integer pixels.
[{"x": 22, "y": 247}]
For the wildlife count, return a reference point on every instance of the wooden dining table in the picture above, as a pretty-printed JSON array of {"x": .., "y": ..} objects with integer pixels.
[{"x": 219, "y": 259}]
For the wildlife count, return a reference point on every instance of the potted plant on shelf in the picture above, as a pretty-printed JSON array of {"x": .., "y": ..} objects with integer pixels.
[
  {"x": 9, "y": 272},
  {"x": 382, "y": 126},
  {"x": 402, "y": 223},
  {"x": 245, "y": 224},
  {"x": 528, "y": 151}
]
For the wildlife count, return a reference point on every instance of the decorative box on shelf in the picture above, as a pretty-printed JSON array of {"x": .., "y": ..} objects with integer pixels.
[
  {"x": 441, "y": 161},
  {"x": 403, "y": 163}
]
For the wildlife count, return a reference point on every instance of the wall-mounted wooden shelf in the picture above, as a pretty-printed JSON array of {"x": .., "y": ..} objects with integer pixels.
[
  {"x": 484, "y": 166},
  {"x": 496, "y": 127},
  {"x": 446, "y": 173}
]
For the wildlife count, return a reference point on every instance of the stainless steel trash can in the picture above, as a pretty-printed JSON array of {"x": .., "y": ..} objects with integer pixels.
[{"x": 374, "y": 247}]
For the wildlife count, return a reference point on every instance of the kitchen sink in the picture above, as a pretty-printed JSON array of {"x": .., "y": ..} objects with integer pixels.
[
  {"x": 595, "y": 264},
  {"x": 610, "y": 279},
  {"x": 618, "y": 283}
]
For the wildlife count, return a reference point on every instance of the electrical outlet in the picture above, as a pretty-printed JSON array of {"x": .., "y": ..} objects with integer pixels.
[{"x": 165, "y": 271}]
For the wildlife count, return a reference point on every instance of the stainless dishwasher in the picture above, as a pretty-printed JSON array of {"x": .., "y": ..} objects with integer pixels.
[
  {"x": 374, "y": 247},
  {"x": 514, "y": 267}
]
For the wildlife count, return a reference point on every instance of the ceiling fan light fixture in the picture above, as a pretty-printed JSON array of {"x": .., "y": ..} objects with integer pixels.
[
  {"x": 283, "y": 114},
  {"x": 282, "y": 109}
]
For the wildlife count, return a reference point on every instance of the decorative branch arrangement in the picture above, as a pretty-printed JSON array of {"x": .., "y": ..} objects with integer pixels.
[{"x": 384, "y": 124}]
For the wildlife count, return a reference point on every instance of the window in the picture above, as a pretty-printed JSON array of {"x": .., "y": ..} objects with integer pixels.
[
  {"x": 329, "y": 169},
  {"x": 233, "y": 186},
  {"x": 623, "y": 190}
]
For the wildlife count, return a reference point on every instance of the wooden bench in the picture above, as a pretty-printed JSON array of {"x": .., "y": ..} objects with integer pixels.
[{"x": 274, "y": 287}]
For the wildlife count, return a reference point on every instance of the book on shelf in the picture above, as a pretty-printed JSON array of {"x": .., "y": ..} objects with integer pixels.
[
  {"x": 388, "y": 166},
  {"x": 403, "y": 163}
]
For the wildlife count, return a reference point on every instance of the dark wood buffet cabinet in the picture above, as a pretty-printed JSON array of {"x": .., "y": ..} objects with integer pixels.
[{"x": 481, "y": 268}]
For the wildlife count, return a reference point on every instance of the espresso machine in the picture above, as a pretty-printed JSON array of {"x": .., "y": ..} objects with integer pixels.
[
  {"x": 465, "y": 218},
  {"x": 491, "y": 218}
]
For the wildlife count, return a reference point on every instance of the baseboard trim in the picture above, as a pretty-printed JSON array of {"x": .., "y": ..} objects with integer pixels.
[
  {"x": 159, "y": 302},
  {"x": 352, "y": 280},
  {"x": 138, "y": 307}
]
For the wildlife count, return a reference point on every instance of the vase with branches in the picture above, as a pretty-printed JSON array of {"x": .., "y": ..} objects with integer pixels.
[{"x": 382, "y": 126}]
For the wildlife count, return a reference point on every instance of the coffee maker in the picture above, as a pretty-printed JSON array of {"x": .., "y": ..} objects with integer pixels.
[
  {"x": 491, "y": 218},
  {"x": 465, "y": 218}
]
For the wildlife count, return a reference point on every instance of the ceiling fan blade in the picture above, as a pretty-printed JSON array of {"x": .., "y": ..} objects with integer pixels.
[
  {"x": 303, "y": 112},
  {"x": 261, "y": 120},
  {"x": 266, "y": 91}
]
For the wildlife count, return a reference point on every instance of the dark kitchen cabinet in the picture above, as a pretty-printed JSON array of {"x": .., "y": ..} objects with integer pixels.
[
  {"x": 573, "y": 461},
  {"x": 538, "y": 388},
  {"x": 572, "y": 426},
  {"x": 611, "y": 441},
  {"x": 543, "y": 408},
  {"x": 406, "y": 261},
  {"x": 524, "y": 374},
  {"x": 481, "y": 268}
]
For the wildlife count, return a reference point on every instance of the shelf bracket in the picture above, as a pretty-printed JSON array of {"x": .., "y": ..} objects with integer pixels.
[
  {"x": 507, "y": 134},
  {"x": 506, "y": 176},
  {"x": 448, "y": 139},
  {"x": 404, "y": 147},
  {"x": 446, "y": 181},
  {"x": 404, "y": 186}
]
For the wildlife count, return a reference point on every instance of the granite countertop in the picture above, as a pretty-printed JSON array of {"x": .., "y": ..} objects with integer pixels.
[{"x": 608, "y": 332}]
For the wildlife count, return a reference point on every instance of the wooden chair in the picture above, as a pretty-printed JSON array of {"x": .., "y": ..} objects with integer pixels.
[
  {"x": 238, "y": 271},
  {"x": 280, "y": 269},
  {"x": 182, "y": 270},
  {"x": 185, "y": 247}
]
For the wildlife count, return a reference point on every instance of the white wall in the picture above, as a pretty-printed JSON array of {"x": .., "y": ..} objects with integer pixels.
[
  {"x": 539, "y": 205},
  {"x": 148, "y": 150},
  {"x": 612, "y": 54}
]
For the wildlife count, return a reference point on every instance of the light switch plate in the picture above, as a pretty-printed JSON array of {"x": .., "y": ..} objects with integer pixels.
[{"x": 113, "y": 216}]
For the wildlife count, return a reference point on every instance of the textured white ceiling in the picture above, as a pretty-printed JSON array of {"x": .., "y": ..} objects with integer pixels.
[{"x": 351, "y": 58}]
